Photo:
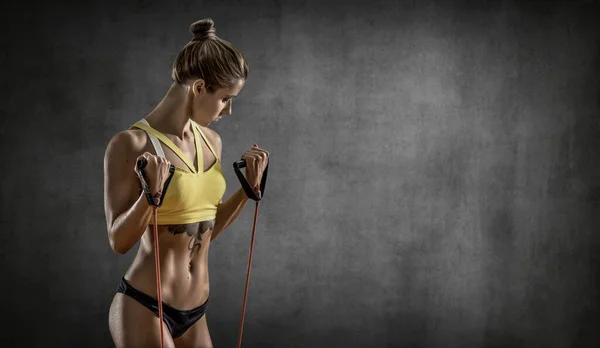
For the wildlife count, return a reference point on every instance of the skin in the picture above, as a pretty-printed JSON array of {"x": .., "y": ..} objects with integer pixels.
[{"x": 183, "y": 248}]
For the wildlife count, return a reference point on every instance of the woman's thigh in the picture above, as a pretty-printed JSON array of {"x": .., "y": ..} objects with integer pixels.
[
  {"x": 196, "y": 336},
  {"x": 132, "y": 325}
]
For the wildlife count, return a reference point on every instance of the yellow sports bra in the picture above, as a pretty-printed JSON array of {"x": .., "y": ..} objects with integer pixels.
[{"x": 192, "y": 196}]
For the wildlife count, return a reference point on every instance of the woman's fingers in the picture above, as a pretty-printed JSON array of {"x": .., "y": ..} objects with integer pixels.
[
  {"x": 255, "y": 164},
  {"x": 156, "y": 172}
]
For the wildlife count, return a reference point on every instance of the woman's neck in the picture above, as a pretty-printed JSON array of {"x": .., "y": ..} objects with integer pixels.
[{"x": 172, "y": 114}]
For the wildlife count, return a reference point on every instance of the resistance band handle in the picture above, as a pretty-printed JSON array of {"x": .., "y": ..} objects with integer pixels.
[
  {"x": 246, "y": 186},
  {"x": 140, "y": 165}
]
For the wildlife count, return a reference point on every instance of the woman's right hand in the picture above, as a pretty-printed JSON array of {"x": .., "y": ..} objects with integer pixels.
[{"x": 156, "y": 171}]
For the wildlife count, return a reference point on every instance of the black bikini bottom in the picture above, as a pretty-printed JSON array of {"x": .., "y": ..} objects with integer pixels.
[{"x": 177, "y": 321}]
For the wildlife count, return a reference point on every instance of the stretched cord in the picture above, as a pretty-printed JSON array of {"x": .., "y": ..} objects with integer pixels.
[
  {"x": 140, "y": 165},
  {"x": 239, "y": 344},
  {"x": 157, "y": 265}
]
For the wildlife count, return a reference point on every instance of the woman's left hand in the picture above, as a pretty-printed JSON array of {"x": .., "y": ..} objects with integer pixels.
[{"x": 256, "y": 162}]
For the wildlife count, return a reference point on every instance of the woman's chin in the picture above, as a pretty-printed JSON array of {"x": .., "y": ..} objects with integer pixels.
[{"x": 206, "y": 123}]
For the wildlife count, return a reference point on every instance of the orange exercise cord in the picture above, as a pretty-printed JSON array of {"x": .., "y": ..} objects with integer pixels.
[
  {"x": 157, "y": 264},
  {"x": 239, "y": 344}
]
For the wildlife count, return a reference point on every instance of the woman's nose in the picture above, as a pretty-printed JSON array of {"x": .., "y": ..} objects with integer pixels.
[{"x": 227, "y": 109}]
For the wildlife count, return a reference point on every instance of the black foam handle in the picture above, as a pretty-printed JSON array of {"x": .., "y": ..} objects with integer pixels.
[
  {"x": 246, "y": 186},
  {"x": 140, "y": 165}
]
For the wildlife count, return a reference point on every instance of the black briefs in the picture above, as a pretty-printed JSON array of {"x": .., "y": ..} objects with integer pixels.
[{"x": 177, "y": 321}]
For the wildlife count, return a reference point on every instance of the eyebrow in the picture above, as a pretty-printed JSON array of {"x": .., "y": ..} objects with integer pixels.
[{"x": 230, "y": 96}]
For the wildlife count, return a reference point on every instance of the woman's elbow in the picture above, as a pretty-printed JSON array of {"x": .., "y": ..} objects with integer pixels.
[{"x": 117, "y": 246}]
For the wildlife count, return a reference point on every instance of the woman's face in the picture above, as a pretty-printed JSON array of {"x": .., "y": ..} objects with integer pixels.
[{"x": 209, "y": 108}]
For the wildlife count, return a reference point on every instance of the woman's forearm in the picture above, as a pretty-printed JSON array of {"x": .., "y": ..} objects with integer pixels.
[
  {"x": 228, "y": 211},
  {"x": 128, "y": 228}
]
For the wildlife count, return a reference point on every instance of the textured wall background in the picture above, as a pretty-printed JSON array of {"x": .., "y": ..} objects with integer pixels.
[{"x": 435, "y": 176}]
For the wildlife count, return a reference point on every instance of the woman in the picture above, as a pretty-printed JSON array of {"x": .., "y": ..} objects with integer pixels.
[{"x": 206, "y": 75}]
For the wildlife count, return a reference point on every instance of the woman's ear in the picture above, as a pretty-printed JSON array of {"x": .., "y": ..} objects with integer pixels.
[{"x": 199, "y": 87}]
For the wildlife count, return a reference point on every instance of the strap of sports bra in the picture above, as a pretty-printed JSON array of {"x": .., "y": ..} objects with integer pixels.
[
  {"x": 167, "y": 143},
  {"x": 155, "y": 142},
  {"x": 156, "y": 138},
  {"x": 206, "y": 141}
]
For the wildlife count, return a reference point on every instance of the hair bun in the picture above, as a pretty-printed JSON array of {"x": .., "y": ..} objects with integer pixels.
[{"x": 203, "y": 29}]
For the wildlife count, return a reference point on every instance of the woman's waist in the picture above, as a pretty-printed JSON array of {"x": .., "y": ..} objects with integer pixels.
[{"x": 184, "y": 282}]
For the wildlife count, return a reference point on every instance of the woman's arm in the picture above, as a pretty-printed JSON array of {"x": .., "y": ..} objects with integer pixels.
[
  {"x": 127, "y": 210},
  {"x": 228, "y": 211}
]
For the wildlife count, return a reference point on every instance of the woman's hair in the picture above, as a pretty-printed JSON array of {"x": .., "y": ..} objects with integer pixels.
[{"x": 210, "y": 58}]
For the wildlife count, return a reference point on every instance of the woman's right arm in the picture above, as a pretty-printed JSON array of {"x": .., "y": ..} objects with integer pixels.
[{"x": 127, "y": 211}]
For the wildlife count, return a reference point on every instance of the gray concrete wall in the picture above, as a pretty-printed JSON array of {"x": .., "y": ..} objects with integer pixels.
[{"x": 434, "y": 178}]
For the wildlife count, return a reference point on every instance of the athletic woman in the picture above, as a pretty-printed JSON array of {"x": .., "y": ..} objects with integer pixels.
[{"x": 207, "y": 74}]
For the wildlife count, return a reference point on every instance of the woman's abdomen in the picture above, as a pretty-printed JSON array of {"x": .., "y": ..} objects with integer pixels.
[{"x": 184, "y": 280}]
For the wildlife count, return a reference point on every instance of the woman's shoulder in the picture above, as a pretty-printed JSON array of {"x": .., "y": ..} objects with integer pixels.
[
  {"x": 211, "y": 133},
  {"x": 131, "y": 141}
]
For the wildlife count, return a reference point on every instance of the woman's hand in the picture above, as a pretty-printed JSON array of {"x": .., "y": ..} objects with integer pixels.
[
  {"x": 256, "y": 162},
  {"x": 157, "y": 172}
]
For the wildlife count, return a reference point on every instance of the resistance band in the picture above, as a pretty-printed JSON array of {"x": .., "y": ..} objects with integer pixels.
[
  {"x": 141, "y": 164},
  {"x": 252, "y": 195}
]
